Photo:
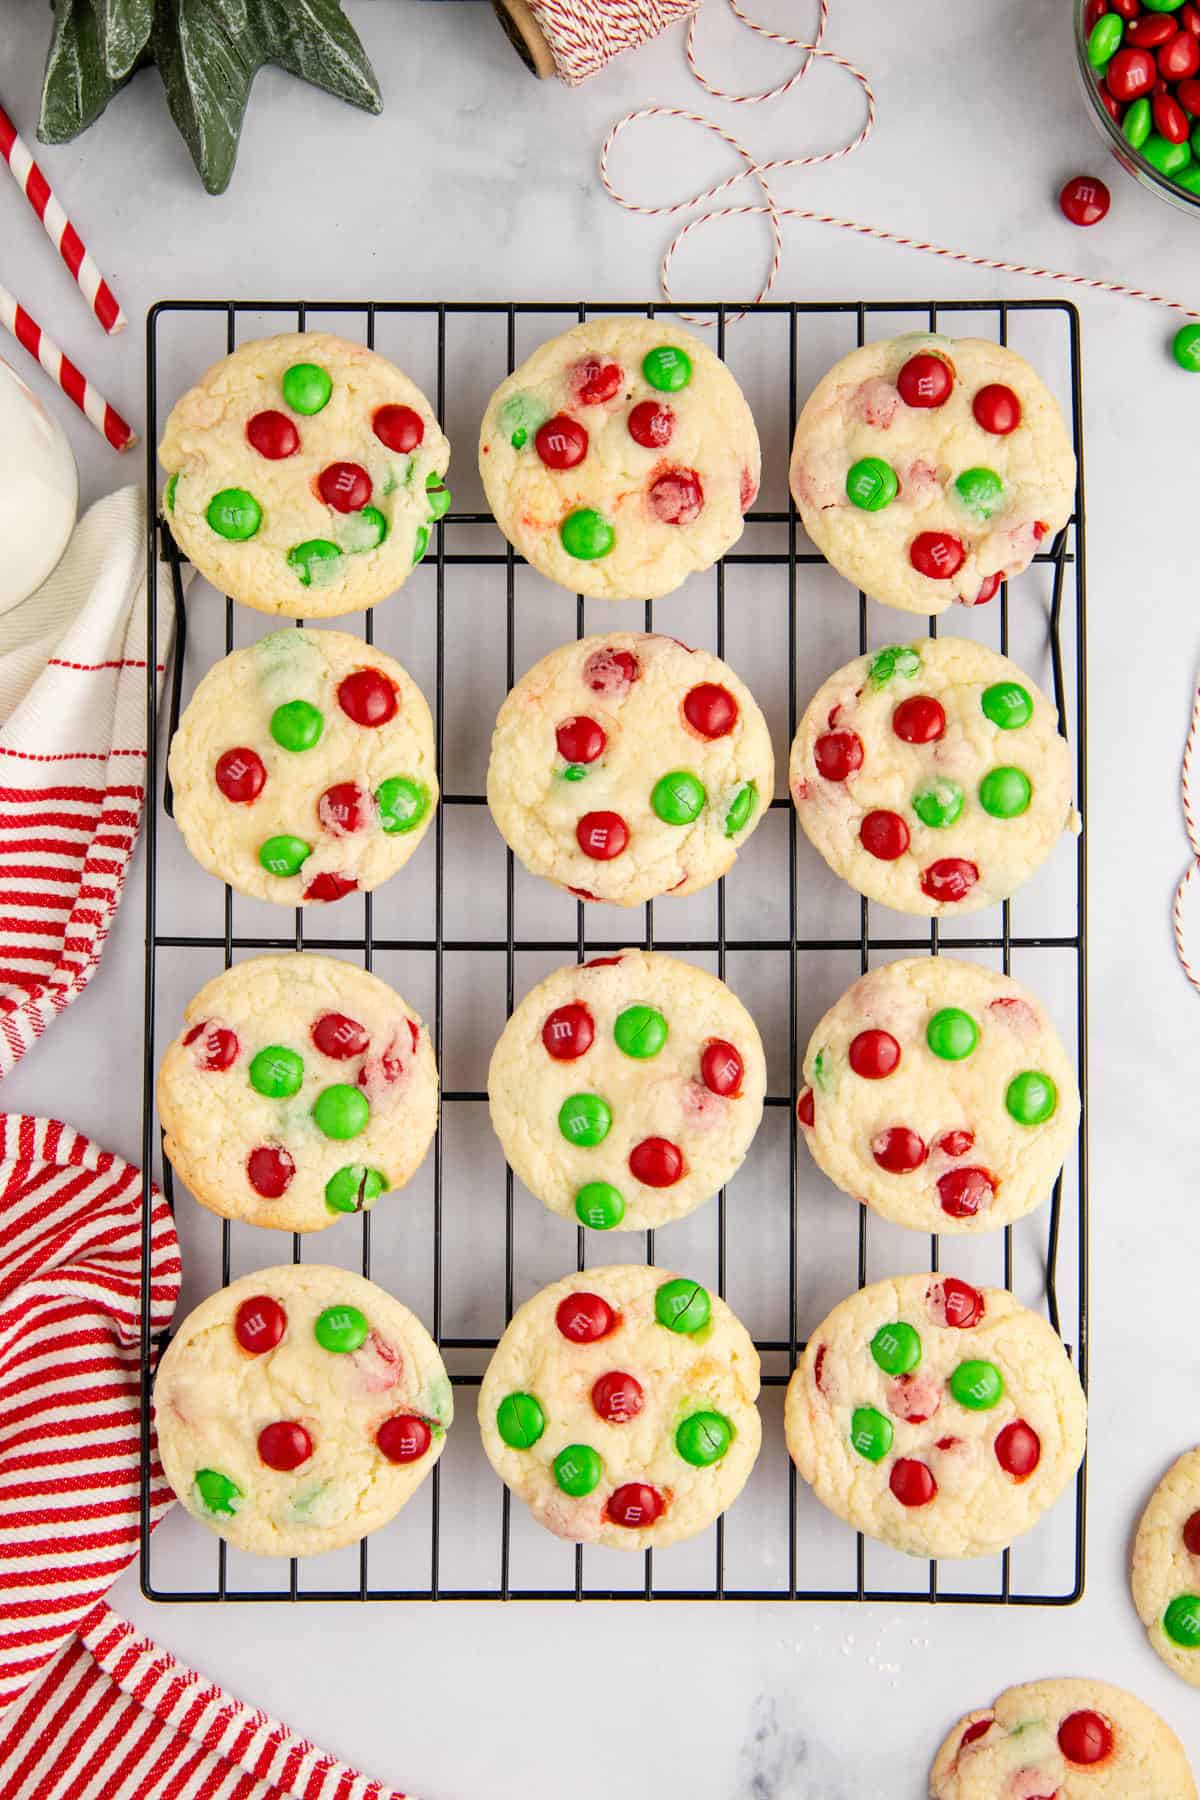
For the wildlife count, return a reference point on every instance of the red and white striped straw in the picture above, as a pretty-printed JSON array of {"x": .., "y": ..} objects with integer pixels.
[
  {"x": 59, "y": 229},
  {"x": 73, "y": 382}
]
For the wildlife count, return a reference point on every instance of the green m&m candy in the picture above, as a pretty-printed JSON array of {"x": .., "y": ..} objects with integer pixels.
[
  {"x": 297, "y": 725},
  {"x": 640, "y": 1031},
  {"x": 1185, "y": 348},
  {"x": 741, "y": 808},
  {"x": 703, "y": 1439},
  {"x": 1181, "y": 1621},
  {"x": 938, "y": 803},
  {"x": 980, "y": 491},
  {"x": 585, "y": 1119},
  {"x": 574, "y": 772},
  {"x": 341, "y": 1329},
  {"x": 519, "y": 438},
  {"x": 363, "y": 530},
  {"x": 682, "y": 1305},
  {"x": 1189, "y": 178},
  {"x": 600, "y": 1205},
  {"x": 402, "y": 803},
  {"x": 353, "y": 1188},
  {"x": 1163, "y": 155},
  {"x": 420, "y": 543},
  {"x": 1007, "y": 704},
  {"x": 871, "y": 484},
  {"x": 284, "y": 855},
  {"x": 1163, "y": 5},
  {"x": 577, "y": 1470},
  {"x": 952, "y": 1034},
  {"x": 314, "y": 562},
  {"x": 1005, "y": 793},
  {"x": 520, "y": 415},
  {"x": 897, "y": 659},
  {"x": 341, "y": 1111},
  {"x": 1137, "y": 122},
  {"x": 679, "y": 798},
  {"x": 234, "y": 514},
  {"x": 586, "y": 534},
  {"x": 896, "y": 1348},
  {"x": 277, "y": 1072},
  {"x": 977, "y": 1385},
  {"x": 520, "y": 1420},
  {"x": 217, "y": 1493},
  {"x": 306, "y": 387},
  {"x": 1104, "y": 39},
  {"x": 871, "y": 1433},
  {"x": 668, "y": 368},
  {"x": 169, "y": 495},
  {"x": 439, "y": 495},
  {"x": 1032, "y": 1097}
]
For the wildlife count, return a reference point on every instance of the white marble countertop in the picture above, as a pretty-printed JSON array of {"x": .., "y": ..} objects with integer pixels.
[{"x": 476, "y": 183}]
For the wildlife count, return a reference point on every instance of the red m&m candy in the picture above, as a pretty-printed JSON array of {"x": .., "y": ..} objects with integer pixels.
[
  {"x": 651, "y": 425},
  {"x": 330, "y": 886},
  {"x": 962, "y": 1192},
  {"x": 404, "y": 1438},
  {"x": 961, "y": 1303},
  {"x": 974, "y": 1732},
  {"x": 568, "y": 1032},
  {"x": 806, "y": 1110},
  {"x": 656, "y": 1162},
  {"x": 273, "y": 435},
  {"x": 617, "y": 1397},
  {"x": 561, "y": 442},
  {"x": 676, "y": 498},
  {"x": 919, "y": 720},
  {"x": 339, "y": 1037},
  {"x": 925, "y": 380},
  {"x": 241, "y": 775},
  {"x": 898, "y": 1150},
  {"x": 1130, "y": 73},
  {"x": 399, "y": 427},
  {"x": 1084, "y": 200},
  {"x": 951, "y": 878},
  {"x": 584, "y": 1318},
  {"x": 580, "y": 740},
  {"x": 610, "y": 671},
  {"x": 368, "y": 697},
  {"x": 884, "y": 835},
  {"x": 936, "y": 554},
  {"x": 996, "y": 409},
  {"x": 345, "y": 808},
  {"x": 284, "y": 1445},
  {"x": 912, "y": 1482},
  {"x": 1085, "y": 1737},
  {"x": 635, "y": 1505},
  {"x": 345, "y": 486},
  {"x": 1178, "y": 59},
  {"x": 837, "y": 754},
  {"x": 1018, "y": 1450},
  {"x": 596, "y": 382},
  {"x": 216, "y": 1046},
  {"x": 955, "y": 1143},
  {"x": 602, "y": 835},
  {"x": 720, "y": 1067},
  {"x": 1191, "y": 1535},
  {"x": 259, "y": 1324},
  {"x": 269, "y": 1169},
  {"x": 710, "y": 709},
  {"x": 1170, "y": 120},
  {"x": 874, "y": 1055}
]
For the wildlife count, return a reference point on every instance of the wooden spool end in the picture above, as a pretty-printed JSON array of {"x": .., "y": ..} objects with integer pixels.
[{"x": 526, "y": 37}]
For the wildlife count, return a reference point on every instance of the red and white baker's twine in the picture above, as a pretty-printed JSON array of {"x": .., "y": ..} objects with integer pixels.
[
  {"x": 583, "y": 37},
  {"x": 59, "y": 229},
  {"x": 769, "y": 207},
  {"x": 58, "y": 365},
  {"x": 1193, "y": 833}
]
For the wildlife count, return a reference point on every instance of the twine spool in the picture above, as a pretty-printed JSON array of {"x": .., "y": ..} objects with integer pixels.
[{"x": 575, "y": 39}]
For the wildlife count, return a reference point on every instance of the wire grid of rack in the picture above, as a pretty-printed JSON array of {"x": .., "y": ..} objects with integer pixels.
[{"x": 1051, "y": 595}]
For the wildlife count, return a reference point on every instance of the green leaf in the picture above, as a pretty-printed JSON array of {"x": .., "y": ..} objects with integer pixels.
[
  {"x": 123, "y": 30},
  {"x": 207, "y": 72},
  {"x": 76, "y": 87},
  {"x": 316, "y": 41}
]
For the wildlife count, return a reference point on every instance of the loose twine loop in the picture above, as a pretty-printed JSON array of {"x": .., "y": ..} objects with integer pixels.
[{"x": 1193, "y": 834}]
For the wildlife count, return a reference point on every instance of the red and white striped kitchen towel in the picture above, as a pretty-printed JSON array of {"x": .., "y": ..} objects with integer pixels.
[{"x": 72, "y": 763}]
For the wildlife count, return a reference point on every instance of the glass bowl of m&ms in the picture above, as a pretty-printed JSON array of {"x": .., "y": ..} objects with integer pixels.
[{"x": 1140, "y": 62}]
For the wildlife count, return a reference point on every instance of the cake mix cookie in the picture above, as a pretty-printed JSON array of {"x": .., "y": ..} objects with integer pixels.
[
  {"x": 300, "y": 1088},
  {"x": 619, "y": 458},
  {"x": 939, "y": 1094},
  {"x": 932, "y": 776},
  {"x": 941, "y": 1418},
  {"x": 1062, "y": 1740},
  {"x": 303, "y": 767},
  {"x": 627, "y": 1091},
  {"x": 627, "y": 766},
  {"x": 930, "y": 469},
  {"x": 299, "y": 1409},
  {"x": 304, "y": 474},
  {"x": 619, "y": 1405},
  {"x": 1166, "y": 1567}
]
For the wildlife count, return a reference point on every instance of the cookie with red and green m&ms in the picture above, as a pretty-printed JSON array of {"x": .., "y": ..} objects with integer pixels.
[
  {"x": 620, "y": 458},
  {"x": 1062, "y": 1739},
  {"x": 939, "y": 1093},
  {"x": 932, "y": 776},
  {"x": 939, "y": 1417},
  {"x": 930, "y": 469},
  {"x": 628, "y": 766},
  {"x": 305, "y": 474},
  {"x": 299, "y": 1089},
  {"x": 620, "y": 1406},
  {"x": 627, "y": 1091},
  {"x": 1165, "y": 1575},
  {"x": 300, "y": 1408},
  {"x": 303, "y": 768}
]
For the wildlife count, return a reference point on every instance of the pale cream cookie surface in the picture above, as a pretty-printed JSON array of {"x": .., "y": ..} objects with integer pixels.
[
  {"x": 1165, "y": 1576},
  {"x": 303, "y": 767},
  {"x": 1062, "y": 1739},
  {"x": 299, "y": 1409},
  {"x": 628, "y": 766},
  {"x": 927, "y": 469},
  {"x": 620, "y": 458},
  {"x": 932, "y": 776},
  {"x": 300, "y": 1088},
  {"x": 938, "y": 1417},
  {"x": 940, "y": 1094},
  {"x": 620, "y": 1406},
  {"x": 627, "y": 1091},
  {"x": 304, "y": 475}
]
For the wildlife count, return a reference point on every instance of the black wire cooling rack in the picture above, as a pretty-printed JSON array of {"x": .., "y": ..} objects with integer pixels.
[{"x": 790, "y": 1549}]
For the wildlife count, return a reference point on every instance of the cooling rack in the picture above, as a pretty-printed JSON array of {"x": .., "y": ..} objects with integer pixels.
[{"x": 463, "y": 932}]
